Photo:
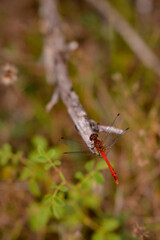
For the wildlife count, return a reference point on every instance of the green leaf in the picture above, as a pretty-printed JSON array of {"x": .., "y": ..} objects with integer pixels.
[
  {"x": 57, "y": 163},
  {"x": 47, "y": 197},
  {"x": 51, "y": 209},
  {"x": 74, "y": 194},
  {"x": 26, "y": 173},
  {"x": 5, "y": 154},
  {"x": 54, "y": 153},
  {"x": 48, "y": 166},
  {"x": 63, "y": 189},
  {"x": 79, "y": 175},
  {"x": 40, "y": 143},
  {"x": 41, "y": 150},
  {"x": 42, "y": 159},
  {"x": 101, "y": 165},
  {"x": 58, "y": 211},
  {"x": 110, "y": 224},
  {"x": 113, "y": 236},
  {"x": 99, "y": 236},
  {"x": 58, "y": 201},
  {"x": 39, "y": 216},
  {"x": 40, "y": 174},
  {"x": 34, "y": 188},
  {"x": 86, "y": 184},
  {"x": 4, "y": 159},
  {"x": 99, "y": 177},
  {"x": 54, "y": 185},
  {"x": 93, "y": 202},
  {"x": 51, "y": 153},
  {"x": 89, "y": 165}
]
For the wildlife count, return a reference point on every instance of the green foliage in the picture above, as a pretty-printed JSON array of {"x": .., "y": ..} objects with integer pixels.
[
  {"x": 33, "y": 187},
  {"x": 6, "y": 155},
  {"x": 63, "y": 189},
  {"x": 99, "y": 177},
  {"x": 89, "y": 165},
  {"x": 79, "y": 175},
  {"x": 111, "y": 224},
  {"x": 101, "y": 165},
  {"x": 63, "y": 200},
  {"x": 39, "y": 215},
  {"x": 98, "y": 236},
  {"x": 107, "y": 230}
]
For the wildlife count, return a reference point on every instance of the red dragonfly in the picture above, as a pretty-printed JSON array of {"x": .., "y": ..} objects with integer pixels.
[{"x": 102, "y": 150}]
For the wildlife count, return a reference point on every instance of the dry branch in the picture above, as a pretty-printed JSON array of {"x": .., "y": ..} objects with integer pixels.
[
  {"x": 138, "y": 46},
  {"x": 55, "y": 51}
]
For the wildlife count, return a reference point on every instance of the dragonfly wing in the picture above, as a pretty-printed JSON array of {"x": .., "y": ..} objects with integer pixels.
[
  {"x": 114, "y": 141},
  {"x": 108, "y": 137},
  {"x": 109, "y": 132}
]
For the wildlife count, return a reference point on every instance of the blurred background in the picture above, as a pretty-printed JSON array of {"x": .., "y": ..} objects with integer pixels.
[{"x": 41, "y": 199}]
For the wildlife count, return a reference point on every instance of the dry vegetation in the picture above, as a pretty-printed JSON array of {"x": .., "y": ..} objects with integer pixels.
[{"x": 108, "y": 78}]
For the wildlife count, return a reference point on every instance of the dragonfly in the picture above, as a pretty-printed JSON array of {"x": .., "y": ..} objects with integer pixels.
[{"x": 103, "y": 149}]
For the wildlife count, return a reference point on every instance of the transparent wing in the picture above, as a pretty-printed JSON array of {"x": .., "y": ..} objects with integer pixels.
[
  {"x": 107, "y": 137},
  {"x": 108, "y": 148},
  {"x": 74, "y": 147}
]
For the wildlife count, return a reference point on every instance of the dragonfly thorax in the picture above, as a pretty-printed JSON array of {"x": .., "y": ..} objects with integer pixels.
[{"x": 99, "y": 146}]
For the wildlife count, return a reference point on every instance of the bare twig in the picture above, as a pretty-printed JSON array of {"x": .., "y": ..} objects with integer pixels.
[
  {"x": 54, "y": 41},
  {"x": 53, "y": 101},
  {"x": 55, "y": 50},
  {"x": 109, "y": 129},
  {"x": 138, "y": 46}
]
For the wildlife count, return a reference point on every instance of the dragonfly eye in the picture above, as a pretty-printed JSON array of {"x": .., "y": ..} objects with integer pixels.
[{"x": 93, "y": 136}]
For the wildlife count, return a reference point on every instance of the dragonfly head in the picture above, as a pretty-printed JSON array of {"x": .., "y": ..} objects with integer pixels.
[{"x": 93, "y": 137}]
